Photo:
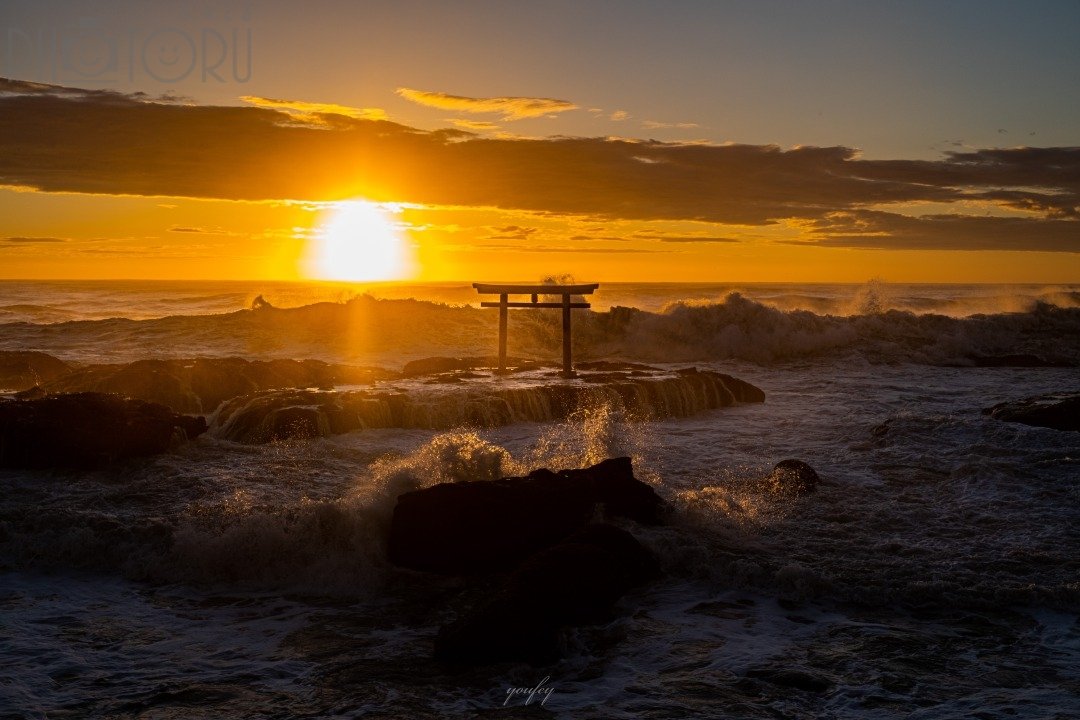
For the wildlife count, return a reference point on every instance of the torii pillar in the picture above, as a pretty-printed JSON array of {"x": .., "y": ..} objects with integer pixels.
[{"x": 505, "y": 291}]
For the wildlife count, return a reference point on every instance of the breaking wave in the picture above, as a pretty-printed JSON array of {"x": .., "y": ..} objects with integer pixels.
[{"x": 389, "y": 333}]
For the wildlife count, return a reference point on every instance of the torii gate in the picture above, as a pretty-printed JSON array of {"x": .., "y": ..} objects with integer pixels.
[{"x": 504, "y": 291}]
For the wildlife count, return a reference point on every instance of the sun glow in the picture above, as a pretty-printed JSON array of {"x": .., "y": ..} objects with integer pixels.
[{"x": 359, "y": 241}]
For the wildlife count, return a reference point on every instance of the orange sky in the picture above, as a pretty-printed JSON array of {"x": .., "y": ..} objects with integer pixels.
[{"x": 518, "y": 161}]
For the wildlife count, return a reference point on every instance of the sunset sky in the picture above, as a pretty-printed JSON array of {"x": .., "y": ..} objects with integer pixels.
[{"x": 751, "y": 141}]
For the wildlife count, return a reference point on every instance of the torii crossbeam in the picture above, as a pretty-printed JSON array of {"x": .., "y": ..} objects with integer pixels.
[{"x": 505, "y": 291}]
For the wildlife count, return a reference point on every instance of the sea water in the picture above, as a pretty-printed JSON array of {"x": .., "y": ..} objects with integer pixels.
[{"x": 935, "y": 573}]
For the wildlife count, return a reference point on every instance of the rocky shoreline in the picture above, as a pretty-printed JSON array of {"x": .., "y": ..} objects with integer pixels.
[{"x": 255, "y": 402}]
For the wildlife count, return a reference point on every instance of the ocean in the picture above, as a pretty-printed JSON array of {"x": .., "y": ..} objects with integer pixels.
[{"x": 935, "y": 573}]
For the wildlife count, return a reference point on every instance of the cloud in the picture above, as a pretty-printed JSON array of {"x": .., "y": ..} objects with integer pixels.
[
  {"x": 575, "y": 249},
  {"x": 182, "y": 229},
  {"x": 619, "y": 115},
  {"x": 31, "y": 240},
  {"x": 315, "y": 112},
  {"x": 685, "y": 238},
  {"x": 57, "y": 139},
  {"x": 474, "y": 125},
  {"x": 10, "y": 87},
  {"x": 882, "y": 230},
  {"x": 655, "y": 125},
  {"x": 511, "y": 108},
  {"x": 512, "y": 232}
]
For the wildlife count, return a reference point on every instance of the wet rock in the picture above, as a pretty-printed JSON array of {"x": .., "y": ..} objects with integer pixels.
[
  {"x": 791, "y": 477},
  {"x": 484, "y": 526},
  {"x": 739, "y": 390},
  {"x": 23, "y": 369},
  {"x": 88, "y": 430},
  {"x": 439, "y": 365},
  {"x": 287, "y": 414},
  {"x": 574, "y": 582},
  {"x": 1058, "y": 411},
  {"x": 202, "y": 384},
  {"x": 484, "y": 404}
]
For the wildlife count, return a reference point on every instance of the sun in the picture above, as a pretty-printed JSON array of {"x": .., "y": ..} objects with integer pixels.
[{"x": 358, "y": 241}]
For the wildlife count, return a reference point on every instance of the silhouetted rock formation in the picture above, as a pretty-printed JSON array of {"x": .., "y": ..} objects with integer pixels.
[
  {"x": 200, "y": 385},
  {"x": 574, "y": 582},
  {"x": 23, "y": 369},
  {"x": 261, "y": 303},
  {"x": 1059, "y": 411},
  {"x": 791, "y": 477},
  {"x": 486, "y": 526},
  {"x": 256, "y": 418},
  {"x": 88, "y": 430}
]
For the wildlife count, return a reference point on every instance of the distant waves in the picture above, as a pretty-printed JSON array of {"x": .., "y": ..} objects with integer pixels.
[{"x": 390, "y": 332}]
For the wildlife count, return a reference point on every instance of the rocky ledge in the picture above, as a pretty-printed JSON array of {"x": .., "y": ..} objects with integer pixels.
[
  {"x": 277, "y": 415},
  {"x": 196, "y": 385},
  {"x": 88, "y": 430},
  {"x": 549, "y": 558},
  {"x": 1060, "y": 411}
]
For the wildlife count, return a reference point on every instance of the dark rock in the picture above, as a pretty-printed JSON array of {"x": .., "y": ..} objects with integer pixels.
[
  {"x": 88, "y": 430},
  {"x": 202, "y": 384},
  {"x": 23, "y": 369},
  {"x": 1058, "y": 411},
  {"x": 438, "y": 365},
  {"x": 740, "y": 390},
  {"x": 483, "y": 526},
  {"x": 286, "y": 414},
  {"x": 297, "y": 422},
  {"x": 791, "y": 477},
  {"x": 245, "y": 418},
  {"x": 572, "y": 583},
  {"x": 261, "y": 303}
]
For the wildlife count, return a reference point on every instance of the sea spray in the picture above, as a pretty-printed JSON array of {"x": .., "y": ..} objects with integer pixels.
[
  {"x": 767, "y": 325},
  {"x": 336, "y": 545}
]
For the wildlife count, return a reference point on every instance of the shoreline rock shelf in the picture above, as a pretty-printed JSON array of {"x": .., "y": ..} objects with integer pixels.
[
  {"x": 277, "y": 415},
  {"x": 88, "y": 431},
  {"x": 195, "y": 385}
]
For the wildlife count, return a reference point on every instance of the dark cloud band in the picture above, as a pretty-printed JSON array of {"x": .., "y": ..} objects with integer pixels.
[{"x": 68, "y": 140}]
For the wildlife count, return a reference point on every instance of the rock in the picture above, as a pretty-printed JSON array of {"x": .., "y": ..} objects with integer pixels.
[
  {"x": 740, "y": 390},
  {"x": 791, "y": 477},
  {"x": 1059, "y": 411},
  {"x": 574, "y": 582},
  {"x": 286, "y": 414},
  {"x": 261, "y": 303},
  {"x": 202, "y": 384},
  {"x": 23, "y": 369},
  {"x": 483, "y": 526},
  {"x": 482, "y": 405},
  {"x": 88, "y": 430},
  {"x": 438, "y": 365}
]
